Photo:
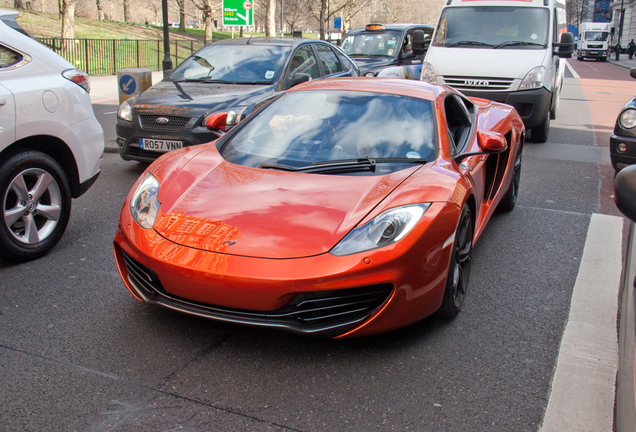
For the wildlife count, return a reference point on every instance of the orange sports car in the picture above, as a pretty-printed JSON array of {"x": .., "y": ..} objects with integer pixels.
[{"x": 343, "y": 207}]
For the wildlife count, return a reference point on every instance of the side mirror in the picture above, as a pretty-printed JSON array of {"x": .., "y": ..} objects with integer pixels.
[
  {"x": 491, "y": 142},
  {"x": 632, "y": 72},
  {"x": 565, "y": 48},
  {"x": 625, "y": 191},
  {"x": 419, "y": 44},
  {"x": 298, "y": 78},
  {"x": 216, "y": 121}
]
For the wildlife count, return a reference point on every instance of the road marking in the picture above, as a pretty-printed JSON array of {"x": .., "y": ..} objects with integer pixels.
[
  {"x": 571, "y": 69},
  {"x": 582, "y": 394}
]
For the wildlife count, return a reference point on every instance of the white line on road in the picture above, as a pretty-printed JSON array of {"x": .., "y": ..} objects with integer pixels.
[
  {"x": 571, "y": 69},
  {"x": 582, "y": 396}
]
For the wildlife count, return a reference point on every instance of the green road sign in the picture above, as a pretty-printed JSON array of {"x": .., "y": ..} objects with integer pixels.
[{"x": 238, "y": 12}]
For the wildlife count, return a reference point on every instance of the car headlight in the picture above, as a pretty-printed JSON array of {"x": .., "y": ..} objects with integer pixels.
[
  {"x": 428, "y": 73},
  {"x": 385, "y": 229},
  {"x": 533, "y": 79},
  {"x": 125, "y": 111},
  {"x": 236, "y": 115},
  {"x": 628, "y": 118},
  {"x": 144, "y": 204}
]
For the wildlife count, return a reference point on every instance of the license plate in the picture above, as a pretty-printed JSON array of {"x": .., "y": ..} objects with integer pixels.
[
  {"x": 593, "y": 52},
  {"x": 159, "y": 145}
]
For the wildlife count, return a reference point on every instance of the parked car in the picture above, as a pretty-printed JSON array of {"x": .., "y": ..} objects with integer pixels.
[
  {"x": 623, "y": 140},
  {"x": 51, "y": 144},
  {"x": 389, "y": 50},
  {"x": 344, "y": 207},
  {"x": 232, "y": 75},
  {"x": 625, "y": 197}
]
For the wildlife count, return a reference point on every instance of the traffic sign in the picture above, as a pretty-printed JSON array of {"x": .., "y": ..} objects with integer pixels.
[
  {"x": 337, "y": 22},
  {"x": 238, "y": 13},
  {"x": 127, "y": 84}
]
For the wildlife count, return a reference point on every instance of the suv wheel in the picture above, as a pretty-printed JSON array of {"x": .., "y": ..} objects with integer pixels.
[{"x": 36, "y": 205}]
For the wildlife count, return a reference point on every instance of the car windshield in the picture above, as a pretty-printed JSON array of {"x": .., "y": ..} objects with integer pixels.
[
  {"x": 597, "y": 36},
  {"x": 305, "y": 129},
  {"x": 493, "y": 27},
  {"x": 372, "y": 44},
  {"x": 244, "y": 64}
]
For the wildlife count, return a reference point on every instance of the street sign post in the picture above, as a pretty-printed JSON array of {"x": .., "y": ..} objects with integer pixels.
[
  {"x": 238, "y": 13},
  {"x": 337, "y": 23}
]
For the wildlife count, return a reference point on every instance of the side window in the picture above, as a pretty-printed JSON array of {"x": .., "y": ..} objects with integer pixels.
[
  {"x": 304, "y": 61},
  {"x": 8, "y": 57},
  {"x": 344, "y": 62},
  {"x": 330, "y": 62},
  {"x": 458, "y": 121}
]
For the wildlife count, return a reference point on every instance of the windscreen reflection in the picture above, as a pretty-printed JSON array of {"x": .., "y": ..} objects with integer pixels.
[
  {"x": 249, "y": 64},
  {"x": 304, "y": 128}
]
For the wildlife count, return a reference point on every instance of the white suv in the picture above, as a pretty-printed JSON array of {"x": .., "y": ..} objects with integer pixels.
[{"x": 51, "y": 144}]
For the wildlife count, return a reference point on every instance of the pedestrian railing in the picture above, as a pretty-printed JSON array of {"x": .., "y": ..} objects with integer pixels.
[{"x": 107, "y": 56}]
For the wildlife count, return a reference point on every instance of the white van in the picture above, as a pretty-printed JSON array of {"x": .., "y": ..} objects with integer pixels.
[{"x": 508, "y": 51}]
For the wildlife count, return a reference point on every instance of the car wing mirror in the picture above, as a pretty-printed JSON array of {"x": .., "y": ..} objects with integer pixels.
[
  {"x": 632, "y": 72},
  {"x": 625, "y": 191},
  {"x": 565, "y": 48},
  {"x": 216, "y": 121},
  {"x": 419, "y": 43},
  {"x": 489, "y": 143},
  {"x": 299, "y": 77}
]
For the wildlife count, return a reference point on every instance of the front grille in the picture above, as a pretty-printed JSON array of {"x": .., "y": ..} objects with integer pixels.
[
  {"x": 478, "y": 83},
  {"x": 174, "y": 123},
  {"x": 319, "y": 313},
  {"x": 594, "y": 46}
]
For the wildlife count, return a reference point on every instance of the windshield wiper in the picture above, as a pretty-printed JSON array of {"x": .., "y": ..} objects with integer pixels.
[
  {"x": 518, "y": 43},
  {"x": 345, "y": 165},
  {"x": 466, "y": 42}
]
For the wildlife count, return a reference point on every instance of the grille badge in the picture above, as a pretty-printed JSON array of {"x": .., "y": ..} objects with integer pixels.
[{"x": 162, "y": 120}]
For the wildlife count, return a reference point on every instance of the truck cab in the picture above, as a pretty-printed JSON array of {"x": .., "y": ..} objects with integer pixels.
[
  {"x": 388, "y": 50},
  {"x": 594, "y": 41}
]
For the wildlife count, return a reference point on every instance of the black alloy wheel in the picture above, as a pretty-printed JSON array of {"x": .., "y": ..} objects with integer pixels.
[
  {"x": 459, "y": 268},
  {"x": 509, "y": 200}
]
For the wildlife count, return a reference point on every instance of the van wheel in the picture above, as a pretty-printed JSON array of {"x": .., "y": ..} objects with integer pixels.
[
  {"x": 36, "y": 205},
  {"x": 540, "y": 133}
]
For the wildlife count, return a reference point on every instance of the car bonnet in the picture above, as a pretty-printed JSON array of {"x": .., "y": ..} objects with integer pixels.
[{"x": 217, "y": 206}]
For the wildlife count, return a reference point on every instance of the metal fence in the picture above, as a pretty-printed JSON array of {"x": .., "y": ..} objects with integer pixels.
[{"x": 107, "y": 56}]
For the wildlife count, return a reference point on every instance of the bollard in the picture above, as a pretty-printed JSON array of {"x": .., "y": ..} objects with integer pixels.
[{"x": 132, "y": 82}]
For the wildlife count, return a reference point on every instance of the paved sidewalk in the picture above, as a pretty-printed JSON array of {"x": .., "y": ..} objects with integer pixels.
[{"x": 623, "y": 61}]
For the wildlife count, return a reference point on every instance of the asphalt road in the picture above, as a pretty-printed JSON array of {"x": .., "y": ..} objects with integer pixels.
[{"x": 78, "y": 352}]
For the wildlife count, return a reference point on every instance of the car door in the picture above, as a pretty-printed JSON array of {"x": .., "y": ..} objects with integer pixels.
[{"x": 303, "y": 61}]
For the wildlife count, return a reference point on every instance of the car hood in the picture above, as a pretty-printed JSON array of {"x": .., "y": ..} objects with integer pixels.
[
  {"x": 452, "y": 61},
  {"x": 190, "y": 98},
  {"x": 217, "y": 206}
]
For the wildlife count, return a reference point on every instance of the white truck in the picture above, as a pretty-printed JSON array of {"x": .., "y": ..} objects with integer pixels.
[
  {"x": 509, "y": 51},
  {"x": 594, "y": 41}
]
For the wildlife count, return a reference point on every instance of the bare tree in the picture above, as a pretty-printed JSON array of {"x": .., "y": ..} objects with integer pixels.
[
  {"x": 270, "y": 20},
  {"x": 68, "y": 19},
  {"x": 100, "y": 10},
  {"x": 18, "y": 4},
  {"x": 181, "y": 4},
  {"x": 127, "y": 11},
  {"x": 206, "y": 8},
  {"x": 295, "y": 14}
]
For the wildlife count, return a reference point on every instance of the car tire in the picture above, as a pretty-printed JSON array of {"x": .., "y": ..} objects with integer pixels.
[
  {"x": 541, "y": 132},
  {"x": 459, "y": 267},
  {"x": 509, "y": 200},
  {"x": 36, "y": 205},
  {"x": 555, "y": 106}
]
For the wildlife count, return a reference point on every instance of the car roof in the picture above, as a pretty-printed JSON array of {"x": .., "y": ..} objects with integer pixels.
[
  {"x": 278, "y": 41},
  {"x": 401, "y": 87}
]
